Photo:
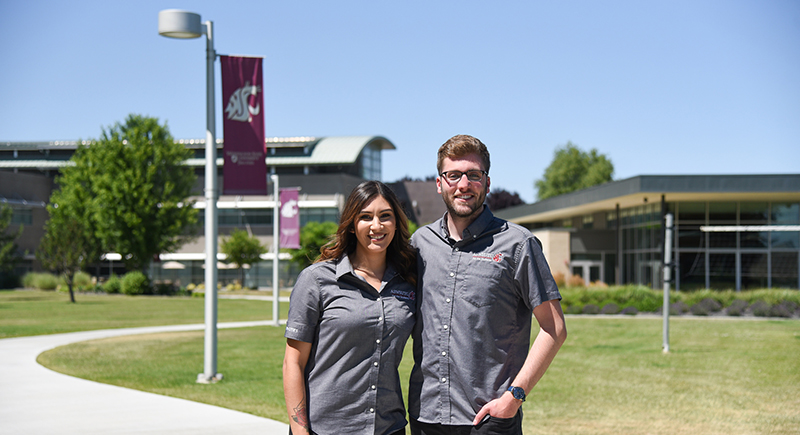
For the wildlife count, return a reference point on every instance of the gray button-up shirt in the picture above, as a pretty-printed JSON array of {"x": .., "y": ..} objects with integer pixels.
[
  {"x": 476, "y": 299},
  {"x": 357, "y": 336}
]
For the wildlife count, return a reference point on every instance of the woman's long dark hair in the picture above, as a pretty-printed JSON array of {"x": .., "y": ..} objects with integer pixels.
[{"x": 399, "y": 253}]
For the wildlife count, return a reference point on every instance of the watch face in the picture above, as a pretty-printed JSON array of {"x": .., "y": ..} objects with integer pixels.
[{"x": 517, "y": 392}]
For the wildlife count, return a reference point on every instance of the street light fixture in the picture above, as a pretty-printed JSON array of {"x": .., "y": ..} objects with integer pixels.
[{"x": 174, "y": 23}]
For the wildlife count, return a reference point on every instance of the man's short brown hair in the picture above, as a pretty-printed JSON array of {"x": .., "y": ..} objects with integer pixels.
[{"x": 462, "y": 145}]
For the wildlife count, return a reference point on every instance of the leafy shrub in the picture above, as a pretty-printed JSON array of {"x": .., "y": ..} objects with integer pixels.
[
  {"x": 135, "y": 283},
  {"x": 632, "y": 311},
  {"x": 559, "y": 279},
  {"x": 678, "y": 308},
  {"x": 591, "y": 309},
  {"x": 722, "y": 298},
  {"x": 790, "y": 306},
  {"x": 40, "y": 281},
  {"x": 737, "y": 307},
  {"x": 574, "y": 309},
  {"x": 761, "y": 309},
  {"x": 610, "y": 308},
  {"x": 575, "y": 281},
  {"x": 705, "y": 307},
  {"x": 165, "y": 289},
  {"x": 699, "y": 309},
  {"x": 781, "y": 310},
  {"x": 113, "y": 285},
  {"x": 82, "y": 281}
]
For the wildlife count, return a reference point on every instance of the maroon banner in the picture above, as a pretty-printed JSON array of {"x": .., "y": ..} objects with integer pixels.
[
  {"x": 290, "y": 218},
  {"x": 245, "y": 169}
]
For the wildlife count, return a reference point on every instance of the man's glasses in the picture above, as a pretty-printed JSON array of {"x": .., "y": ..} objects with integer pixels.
[{"x": 473, "y": 175}]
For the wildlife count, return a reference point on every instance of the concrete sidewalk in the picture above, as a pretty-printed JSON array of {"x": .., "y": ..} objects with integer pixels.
[{"x": 36, "y": 400}]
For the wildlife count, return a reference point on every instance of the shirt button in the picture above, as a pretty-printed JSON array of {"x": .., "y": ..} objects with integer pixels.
[
  {"x": 375, "y": 363},
  {"x": 373, "y": 387},
  {"x": 444, "y": 353},
  {"x": 372, "y": 410},
  {"x": 445, "y": 326},
  {"x": 380, "y": 318},
  {"x": 444, "y": 380},
  {"x": 447, "y": 300},
  {"x": 378, "y": 340},
  {"x": 452, "y": 274}
]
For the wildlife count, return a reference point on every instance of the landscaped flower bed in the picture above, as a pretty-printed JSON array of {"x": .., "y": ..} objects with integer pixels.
[{"x": 639, "y": 299}]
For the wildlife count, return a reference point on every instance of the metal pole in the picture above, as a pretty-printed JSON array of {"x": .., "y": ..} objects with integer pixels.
[
  {"x": 667, "y": 270},
  {"x": 275, "y": 249},
  {"x": 210, "y": 362}
]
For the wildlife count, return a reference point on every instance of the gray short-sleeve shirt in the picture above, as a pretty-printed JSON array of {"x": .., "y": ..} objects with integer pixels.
[
  {"x": 475, "y": 304},
  {"x": 358, "y": 335}
]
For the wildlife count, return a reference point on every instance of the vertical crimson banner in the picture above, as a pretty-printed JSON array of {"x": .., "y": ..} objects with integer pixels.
[
  {"x": 290, "y": 218},
  {"x": 245, "y": 169}
]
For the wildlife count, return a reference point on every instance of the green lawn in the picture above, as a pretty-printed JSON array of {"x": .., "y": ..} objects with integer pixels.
[
  {"x": 722, "y": 376},
  {"x": 35, "y": 312}
]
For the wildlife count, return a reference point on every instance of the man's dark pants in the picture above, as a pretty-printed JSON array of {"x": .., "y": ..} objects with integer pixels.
[{"x": 490, "y": 426}]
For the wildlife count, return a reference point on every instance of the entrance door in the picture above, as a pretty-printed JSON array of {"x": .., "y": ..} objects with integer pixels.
[{"x": 589, "y": 270}]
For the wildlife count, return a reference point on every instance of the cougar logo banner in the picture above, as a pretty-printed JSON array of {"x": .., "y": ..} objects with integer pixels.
[
  {"x": 290, "y": 218},
  {"x": 245, "y": 169}
]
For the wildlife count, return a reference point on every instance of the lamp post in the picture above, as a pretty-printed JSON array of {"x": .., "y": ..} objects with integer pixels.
[{"x": 174, "y": 23}]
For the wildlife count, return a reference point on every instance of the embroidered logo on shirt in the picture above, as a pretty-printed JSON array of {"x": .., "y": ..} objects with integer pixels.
[
  {"x": 403, "y": 295},
  {"x": 488, "y": 257}
]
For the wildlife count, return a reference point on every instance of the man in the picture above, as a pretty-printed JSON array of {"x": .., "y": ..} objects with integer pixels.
[{"x": 480, "y": 279}]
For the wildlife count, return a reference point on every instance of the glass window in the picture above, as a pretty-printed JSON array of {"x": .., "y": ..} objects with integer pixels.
[
  {"x": 722, "y": 212},
  {"x": 753, "y": 212},
  {"x": 754, "y": 239},
  {"x": 692, "y": 270},
  {"x": 692, "y": 211},
  {"x": 588, "y": 221},
  {"x": 784, "y": 270},
  {"x": 591, "y": 257},
  {"x": 690, "y": 237},
  {"x": 785, "y": 213},
  {"x": 611, "y": 219},
  {"x": 21, "y": 216},
  {"x": 722, "y": 239},
  {"x": 318, "y": 214},
  {"x": 754, "y": 271},
  {"x": 785, "y": 239},
  {"x": 609, "y": 268},
  {"x": 722, "y": 271}
]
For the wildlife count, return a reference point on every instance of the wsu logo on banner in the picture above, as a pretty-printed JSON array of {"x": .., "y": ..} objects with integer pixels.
[
  {"x": 238, "y": 108},
  {"x": 245, "y": 169}
]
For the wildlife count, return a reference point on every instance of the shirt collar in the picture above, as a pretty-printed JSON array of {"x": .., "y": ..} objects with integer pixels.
[
  {"x": 344, "y": 267},
  {"x": 473, "y": 230}
]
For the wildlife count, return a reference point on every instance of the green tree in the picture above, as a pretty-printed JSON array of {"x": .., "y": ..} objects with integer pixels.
[
  {"x": 242, "y": 249},
  {"x": 136, "y": 188},
  {"x": 9, "y": 254},
  {"x": 312, "y": 237},
  {"x": 573, "y": 169},
  {"x": 67, "y": 246}
]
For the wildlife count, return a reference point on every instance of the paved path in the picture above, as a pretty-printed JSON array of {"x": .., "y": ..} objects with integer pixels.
[{"x": 35, "y": 400}]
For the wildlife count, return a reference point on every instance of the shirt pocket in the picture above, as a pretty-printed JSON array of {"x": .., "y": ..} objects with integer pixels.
[
  {"x": 400, "y": 315},
  {"x": 482, "y": 278}
]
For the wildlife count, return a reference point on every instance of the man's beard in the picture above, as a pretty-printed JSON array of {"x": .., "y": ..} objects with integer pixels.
[{"x": 472, "y": 210}]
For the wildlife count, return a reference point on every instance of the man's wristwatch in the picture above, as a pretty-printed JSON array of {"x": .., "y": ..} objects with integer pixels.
[{"x": 517, "y": 392}]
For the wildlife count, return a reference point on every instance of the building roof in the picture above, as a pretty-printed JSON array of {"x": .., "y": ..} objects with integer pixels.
[
  {"x": 333, "y": 150},
  {"x": 645, "y": 189}
]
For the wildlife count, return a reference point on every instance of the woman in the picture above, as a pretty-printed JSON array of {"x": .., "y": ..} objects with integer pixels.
[{"x": 350, "y": 316}]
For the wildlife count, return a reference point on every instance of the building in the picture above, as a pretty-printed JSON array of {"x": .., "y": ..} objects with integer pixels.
[
  {"x": 731, "y": 231},
  {"x": 325, "y": 169}
]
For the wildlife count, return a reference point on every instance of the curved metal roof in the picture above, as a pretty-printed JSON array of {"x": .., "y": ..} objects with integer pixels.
[{"x": 333, "y": 150}]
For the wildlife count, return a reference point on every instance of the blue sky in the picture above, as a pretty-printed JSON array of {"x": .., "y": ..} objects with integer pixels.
[{"x": 660, "y": 87}]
